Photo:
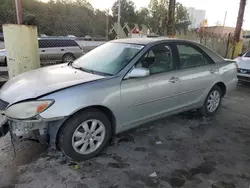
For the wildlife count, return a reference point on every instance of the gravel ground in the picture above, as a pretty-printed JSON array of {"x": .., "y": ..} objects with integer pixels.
[{"x": 178, "y": 151}]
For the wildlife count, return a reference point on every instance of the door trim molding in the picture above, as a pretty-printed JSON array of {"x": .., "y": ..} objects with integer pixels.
[{"x": 154, "y": 100}]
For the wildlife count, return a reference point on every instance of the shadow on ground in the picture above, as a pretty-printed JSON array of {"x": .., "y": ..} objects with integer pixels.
[{"x": 179, "y": 151}]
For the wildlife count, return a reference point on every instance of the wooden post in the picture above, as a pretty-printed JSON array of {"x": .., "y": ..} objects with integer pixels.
[
  {"x": 171, "y": 19},
  {"x": 240, "y": 18}
]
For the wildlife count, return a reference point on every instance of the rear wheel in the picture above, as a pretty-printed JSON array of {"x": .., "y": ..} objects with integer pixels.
[
  {"x": 68, "y": 57},
  {"x": 212, "y": 102},
  {"x": 85, "y": 134}
]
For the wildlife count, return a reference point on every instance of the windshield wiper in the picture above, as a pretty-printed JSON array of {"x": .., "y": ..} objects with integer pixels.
[
  {"x": 89, "y": 70},
  {"x": 86, "y": 70},
  {"x": 79, "y": 68},
  {"x": 95, "y": 72}
]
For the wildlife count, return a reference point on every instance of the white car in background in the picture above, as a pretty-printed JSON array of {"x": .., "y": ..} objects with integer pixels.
[
  {"x": 243, "y": 62},
  {"x": 61, "y": 49}
]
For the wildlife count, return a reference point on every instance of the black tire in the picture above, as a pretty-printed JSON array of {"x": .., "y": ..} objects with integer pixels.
[
  {"x": 68, "y": 57},
  {"x": 68, "y": 129},
  {"x": 204, "y": 109}
]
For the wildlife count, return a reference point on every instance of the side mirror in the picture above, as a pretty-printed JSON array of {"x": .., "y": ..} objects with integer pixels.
[
  {"x": 138, "y": 73},
  {"x": 240, "y": 55}
]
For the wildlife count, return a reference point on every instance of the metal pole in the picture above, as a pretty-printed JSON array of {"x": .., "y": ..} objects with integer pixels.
[
  {"x": 19, "y": 11},
  {"x": 107, "y": 26},
  {"x": 119, "y": 18},
  {"x": 239, "y": 20},
  {"x": 224, "y": 22}
]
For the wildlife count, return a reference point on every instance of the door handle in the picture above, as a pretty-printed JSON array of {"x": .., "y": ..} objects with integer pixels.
[
  {"x": 62, "y": 49},
  {"x": 174, "y": 79},
  {"x": 43, "y": 50}
]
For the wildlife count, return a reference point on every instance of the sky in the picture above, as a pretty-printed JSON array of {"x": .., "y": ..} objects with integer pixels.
[{"x": 215, "y": 9}]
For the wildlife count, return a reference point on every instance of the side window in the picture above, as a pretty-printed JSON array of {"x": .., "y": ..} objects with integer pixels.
[
  {"x": 71, "y": 43},
  {"x": 55, "y": 43},
  {"x": 191, "y": 57},
  {"x": 43, "y": 44},
  {"x": 159, "y": 59}
]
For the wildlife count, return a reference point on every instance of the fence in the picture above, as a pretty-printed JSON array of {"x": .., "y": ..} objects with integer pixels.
[
  {"x": 90, "y": 30},
  {"x": 62, "y": 25}
]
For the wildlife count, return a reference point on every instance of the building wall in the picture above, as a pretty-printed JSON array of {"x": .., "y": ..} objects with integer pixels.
[{"x": 196, "y": 17}]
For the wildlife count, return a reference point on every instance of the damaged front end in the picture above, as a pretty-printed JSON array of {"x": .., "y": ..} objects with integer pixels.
[
  {"x": 29, "y": 130},
  {"x": 4, "y": 125},
  {"x": 23, "y": 120},
  {"x": 24, "y": 130}
]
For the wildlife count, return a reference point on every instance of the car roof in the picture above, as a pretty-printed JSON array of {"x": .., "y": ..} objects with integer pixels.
[
  {"x": 146, "y": 41},
  {"x": 56, "y": 38}
]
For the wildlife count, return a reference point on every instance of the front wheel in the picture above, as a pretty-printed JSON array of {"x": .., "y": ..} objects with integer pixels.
[
  {"x": 212, "y": 102},
  {"x": 85, "y": 134}
]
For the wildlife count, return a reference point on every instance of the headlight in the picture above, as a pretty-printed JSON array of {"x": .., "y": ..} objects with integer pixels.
[{"x": 26, "y": 110}]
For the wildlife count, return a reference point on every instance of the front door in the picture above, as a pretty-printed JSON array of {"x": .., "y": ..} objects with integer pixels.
[
  {"x": 156, "y": 94},
  {"x": 197, "y": 73}
]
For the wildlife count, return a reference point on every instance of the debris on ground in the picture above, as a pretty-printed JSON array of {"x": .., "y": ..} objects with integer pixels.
[
  {"x": 153, "y": 175},
  {"x": 158, "y": 142}
]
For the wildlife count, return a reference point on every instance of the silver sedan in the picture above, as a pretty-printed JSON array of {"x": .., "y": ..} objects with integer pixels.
[{"x": 79, "y": 106}]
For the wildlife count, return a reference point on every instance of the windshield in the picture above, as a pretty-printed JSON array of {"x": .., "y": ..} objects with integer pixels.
[
  {"x": 247, "y": 54},
  {"x": 108, "y": 58}
]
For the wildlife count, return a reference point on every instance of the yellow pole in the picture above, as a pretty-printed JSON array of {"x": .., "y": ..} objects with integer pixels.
[{"x": 21, "y": 46}]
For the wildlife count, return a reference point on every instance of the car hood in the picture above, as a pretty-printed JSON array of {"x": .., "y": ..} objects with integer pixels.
[
  {"x": 38, "y": 82},
  {"x": 243, "y": 62}
]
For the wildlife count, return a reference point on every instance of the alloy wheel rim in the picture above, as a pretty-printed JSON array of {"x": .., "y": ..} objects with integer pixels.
[
  {"x": 88, "y": 136},
  {"x": 213, "y": 101},
  {"x": 68, "y": 59}
]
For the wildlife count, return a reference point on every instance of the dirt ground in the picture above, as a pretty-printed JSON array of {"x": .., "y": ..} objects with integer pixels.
[{"x": 178, "y": 151}]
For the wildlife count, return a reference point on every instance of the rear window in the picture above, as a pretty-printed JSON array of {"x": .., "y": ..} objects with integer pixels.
[{"x": 57, "y": 43}]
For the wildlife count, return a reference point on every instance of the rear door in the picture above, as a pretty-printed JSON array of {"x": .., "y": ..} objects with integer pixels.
[
  {"x": 43, "y": 48},
  {"x": 197, "y": 73},
  {"x": 72, "y": 47},
  {"x": 55, "y": 50}
]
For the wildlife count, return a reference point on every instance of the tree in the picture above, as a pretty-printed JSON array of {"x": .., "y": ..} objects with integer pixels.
[
  {"x": 218, "y": 23},
  {"x": 143, "y": 16},
  {"x": 78, "y": 17},
  {"x": 158, "y": 11},
  {"x": 181, "y": 18},
  {"x": 127, "y": 11}
]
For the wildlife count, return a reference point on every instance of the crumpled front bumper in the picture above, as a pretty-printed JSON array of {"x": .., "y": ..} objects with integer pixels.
[
  {"x": 25, "y": 130},
  {"x": 43, "y": 131}
]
